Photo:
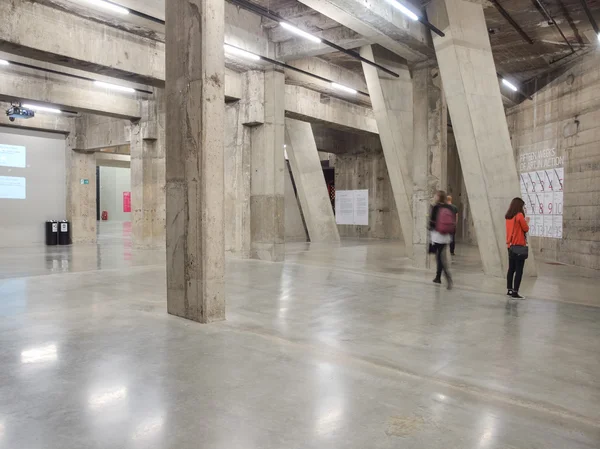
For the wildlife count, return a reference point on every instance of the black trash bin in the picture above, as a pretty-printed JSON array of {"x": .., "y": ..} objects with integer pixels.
[
  {"x": 64, "y": 233},
  {"x": 51, "y": 232}
]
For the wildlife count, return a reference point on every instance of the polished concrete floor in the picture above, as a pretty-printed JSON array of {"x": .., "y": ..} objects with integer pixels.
[{"x": 340, "y": 347}]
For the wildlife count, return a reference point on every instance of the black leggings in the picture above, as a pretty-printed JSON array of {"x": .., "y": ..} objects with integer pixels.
[
  {"x": 439, "y": 258},
  {"x": 515, "y": 269}
]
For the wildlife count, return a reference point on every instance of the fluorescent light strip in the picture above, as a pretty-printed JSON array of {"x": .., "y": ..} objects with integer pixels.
[
  {"x": 239, "y": 52},
  {"x": 599, "y": 36},
  {"x": 42, "y": 108},
  {"x": 114, "y": 86},
  {"x": 299, "y": 32},
  {"x": 109, "y": 6},
  {"x": 403, "y": 9},
  {"x": 344, "y": 88},
  {"x": 3, "y": 62},
  {"x": 510, "y": 85}
]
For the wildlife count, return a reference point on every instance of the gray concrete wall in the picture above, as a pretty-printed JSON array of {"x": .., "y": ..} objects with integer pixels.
[
  {"x": 113, "y": 182},
  {"x": 367, "y": 170},
  {"x": 565, "y": 115},
  {"x": 22, "y": 220}
]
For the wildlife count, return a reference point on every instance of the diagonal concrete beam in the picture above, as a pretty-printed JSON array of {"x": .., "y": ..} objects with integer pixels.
[
  {"x": 380, "y": 23},
  {"x": 392, "y": 100}
]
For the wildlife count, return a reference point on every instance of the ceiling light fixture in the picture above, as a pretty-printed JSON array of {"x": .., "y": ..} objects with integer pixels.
[
  {"x": 109, "y": 5},
  {"x": 510, "y": 85},
  {"x": 599, "y": 36},
  {"x": 403, "y": 9},
  {"x": 344, "y": 88},
  {"x": 114, "y": 86},
  {"x": 299, "y": 32},
  {"x": 42, "y": 108},
  {"x": 239, "y": 52},
  {"x": 3, "y": 62}
]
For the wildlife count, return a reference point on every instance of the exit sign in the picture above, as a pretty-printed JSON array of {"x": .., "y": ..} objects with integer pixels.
[{"x": 85, "y": 181}]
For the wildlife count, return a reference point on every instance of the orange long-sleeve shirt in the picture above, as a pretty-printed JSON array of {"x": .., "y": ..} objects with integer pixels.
[{"x": 520, "y": 227}]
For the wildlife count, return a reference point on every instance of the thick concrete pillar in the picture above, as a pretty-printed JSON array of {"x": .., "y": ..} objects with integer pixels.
[
  {"x": 194, "y": 162},
  {"x": 267, "y": 226},
  {"x": 310, "y": 182},
  {"x": 469, "y": 76},
  {"x": 81, "y": 192},
  {"x": 148, "y": 175},
  {"x": 430, "y": 152},
  {"x": 392, "y": 100}
]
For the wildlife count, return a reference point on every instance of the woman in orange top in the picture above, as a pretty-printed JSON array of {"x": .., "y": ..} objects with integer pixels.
[{"x": 516, "y": 227}]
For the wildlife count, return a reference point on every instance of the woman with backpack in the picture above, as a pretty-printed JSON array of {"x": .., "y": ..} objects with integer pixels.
[
  {"x": 442, "y": 223},
  {"x": 517, "y": 225}
]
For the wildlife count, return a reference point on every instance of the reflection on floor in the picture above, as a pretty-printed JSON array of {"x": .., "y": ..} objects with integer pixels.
[{"x": 343, "y": 346}]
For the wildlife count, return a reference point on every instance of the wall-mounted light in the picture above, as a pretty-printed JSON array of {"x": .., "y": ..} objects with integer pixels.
[
  {"x": 35, "y": 107},
  {"x": 299, "y": 32},
  {"x": 114, "y": 86},
  {"x": 3, "y": 62},
  {"x": 239, "y": 52},
  {"x": 510, "y": 85},
  {"x": 344, "y": 88},
  {"x": 403, "y": 9},
  {"x": 110, "y": 6}
]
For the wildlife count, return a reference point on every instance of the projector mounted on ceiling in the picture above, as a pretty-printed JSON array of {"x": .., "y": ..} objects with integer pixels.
[{"x": 17, "y": 111}]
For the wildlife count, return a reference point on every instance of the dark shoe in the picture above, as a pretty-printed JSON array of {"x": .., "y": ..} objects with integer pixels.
[
  {"x": 509, "y": 292},
  {"x": 437, "y": 281},
  {"x": 515, "y": 295},
  {"x": 452, "y": 254}
]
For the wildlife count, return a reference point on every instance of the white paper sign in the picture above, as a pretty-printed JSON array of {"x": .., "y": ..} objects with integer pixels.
[{"x": 352, "y": 207}]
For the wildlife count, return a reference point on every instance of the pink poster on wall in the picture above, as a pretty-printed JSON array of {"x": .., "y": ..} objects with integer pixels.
[{"x": 126, "y": 201}]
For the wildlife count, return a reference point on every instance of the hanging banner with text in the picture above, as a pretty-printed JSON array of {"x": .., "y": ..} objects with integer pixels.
[
  {"x": 352, "y": 207},
  {"x": 542, "y": 186}
]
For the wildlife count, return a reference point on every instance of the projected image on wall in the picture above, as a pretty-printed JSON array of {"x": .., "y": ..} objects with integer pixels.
[
  {"x": 13, "y": 187},
  {"x": 12, "y": 156}
]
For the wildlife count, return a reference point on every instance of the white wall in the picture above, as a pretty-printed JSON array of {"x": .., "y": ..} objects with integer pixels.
[
  {"x": 22, "y": 220},
  {"x": 113, "y": 182},
  {"x": 294, "y": 227}
]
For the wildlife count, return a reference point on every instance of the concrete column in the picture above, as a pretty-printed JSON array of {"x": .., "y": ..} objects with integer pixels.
[
  {"x": 469, "y": 76},
  {"x": 310, "y": 182},
  {"x": 194, "y": 162},
  {"x": 430, "y": 149},
  {"x": 392, "y": 100},
  {"x": 267, "y": 227},
  {"x": 81, "y": 192},
  {"x": 148, "y": 175}
]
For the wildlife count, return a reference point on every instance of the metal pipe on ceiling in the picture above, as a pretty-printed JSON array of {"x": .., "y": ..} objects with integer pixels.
[
  {"x": 586, "y": 8},
  {"x": 510, "y": 20},
  {"x": 257, "y": 9},
  {"x": 547, "y": 14}
]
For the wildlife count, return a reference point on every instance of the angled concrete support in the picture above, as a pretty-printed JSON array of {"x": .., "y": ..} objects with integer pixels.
[
  {"x": 392, "y": 100},
  {"x": 194, "y": 160},
  {"x": 469, "y": 76},
  {"x": 267, "y": 179},
  {"x": 310, "y": 182},
  {"x": 148, "y": 175}
]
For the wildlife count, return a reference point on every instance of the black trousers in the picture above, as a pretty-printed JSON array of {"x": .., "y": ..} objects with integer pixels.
[
  {"x": 452, "y": 243},
  {"x": 515, "y": 271},
  {"x": 440, "y": 260}
]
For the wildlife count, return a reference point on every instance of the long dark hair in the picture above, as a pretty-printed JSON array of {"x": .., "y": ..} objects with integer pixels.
[{"x": 516, "y": 206}]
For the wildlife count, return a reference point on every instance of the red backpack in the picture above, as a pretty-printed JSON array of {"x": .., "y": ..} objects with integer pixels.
[{"x": 446, "y": 221}]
